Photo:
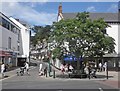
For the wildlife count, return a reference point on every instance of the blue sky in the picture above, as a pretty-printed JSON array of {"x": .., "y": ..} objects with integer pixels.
[
  {"x": 44, "y": 13},
  {"x": 76, "y": 6}
]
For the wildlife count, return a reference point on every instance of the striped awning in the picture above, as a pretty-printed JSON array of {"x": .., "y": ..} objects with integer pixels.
[{"x": 5, "y": 53}]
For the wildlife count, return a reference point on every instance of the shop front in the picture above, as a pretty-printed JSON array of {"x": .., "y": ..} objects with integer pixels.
[{"x": 8, "y": 58}]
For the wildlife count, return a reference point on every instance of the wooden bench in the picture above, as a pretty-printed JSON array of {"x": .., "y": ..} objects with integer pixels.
[{"x": 77, "y": 75}]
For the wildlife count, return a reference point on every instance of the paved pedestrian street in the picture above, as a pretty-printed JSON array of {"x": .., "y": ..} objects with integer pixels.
[{"x": 34, "y": 81}]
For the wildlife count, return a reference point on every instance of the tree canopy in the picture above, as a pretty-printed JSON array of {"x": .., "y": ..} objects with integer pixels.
[
  {"x": 84, "y": 37},
  {"x": 41, "y": 33}
]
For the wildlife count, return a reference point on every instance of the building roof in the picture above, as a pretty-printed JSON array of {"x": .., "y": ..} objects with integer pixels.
[
  {"x": 3, "y": 15},
  {"x": 108, "y": 17}
]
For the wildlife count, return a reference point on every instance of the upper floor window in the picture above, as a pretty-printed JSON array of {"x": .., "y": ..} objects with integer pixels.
[
  {"x": 9, "y": 43},
  {"x": 5, "y": 24},
  {"x": 18, "y": 34},
  {"x": 18, "y": 48},
  {"x": 0, "y": 20}
]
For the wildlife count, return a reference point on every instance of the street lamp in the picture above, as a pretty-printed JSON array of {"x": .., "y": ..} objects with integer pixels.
[
  {"x": 49, "y": 58},
  {"x": 29, "y": 42}
]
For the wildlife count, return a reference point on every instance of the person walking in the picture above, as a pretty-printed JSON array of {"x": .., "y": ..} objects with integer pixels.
[
  {"x": 86, "y": 70},
  {"x": 62, "y": 68},
  {"x": 105, "y": 66},
  {"x": 27, "y": 68},
  {"x": 45, "y": 71},
  {"x": 100, "y": 67},
  {"x": 66, "y": 68},
  {"x": 3, "y": 70},
  {"x": 40, "y": 69},
  {"x": 71, "y": 68}
]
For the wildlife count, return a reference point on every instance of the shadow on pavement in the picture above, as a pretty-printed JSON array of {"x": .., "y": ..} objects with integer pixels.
[
  {"x": 67, "y": 76},
  {"x": 4, "y": 77},
  {"x": 103, "y": 76},
  {"x": 33, "y": 64}
]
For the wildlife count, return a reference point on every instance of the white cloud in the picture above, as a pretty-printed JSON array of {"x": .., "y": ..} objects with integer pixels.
[
  {"x": 91, "y": 9},
  {"x": 113, "y": 8},
  {"x": 28, "y": 14}
]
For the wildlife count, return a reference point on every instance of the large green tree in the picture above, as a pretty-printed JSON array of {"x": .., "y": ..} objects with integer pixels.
[
  {"x": 41, "y": 33},
  {"x": 85, "y": 37}
]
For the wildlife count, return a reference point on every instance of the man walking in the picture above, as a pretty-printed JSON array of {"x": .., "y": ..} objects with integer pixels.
[
  {"x": 100, "y": 67},
  {"x": 45, "y": 71},
  {"x": 27, "y": 68},
  {"x": 40, "y": 69},
  {"x": 3, "y": 70},
  {"x": 105, "y": 66}
]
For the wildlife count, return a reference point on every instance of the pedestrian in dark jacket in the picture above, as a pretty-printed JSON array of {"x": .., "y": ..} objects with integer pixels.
[{"x": 45, "y": 71}]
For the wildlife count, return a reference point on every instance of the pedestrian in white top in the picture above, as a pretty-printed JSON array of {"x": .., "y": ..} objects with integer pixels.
[
  {"x": 105, "y": 66},
  {"x": 40, "y": 69},
  {"x": 27, "y": 68},
  {"x": 2, "y": 69},
  {"x": 70, "y": 68},
  {"x": 66, "y": 68},
  {"x": 86, "y": 70},
  {"x": 100, "y": 67},
  {"x": 62, "y": 68}
]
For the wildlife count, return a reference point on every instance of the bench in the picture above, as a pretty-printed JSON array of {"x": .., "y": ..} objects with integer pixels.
[{"x": 77, "y": 75}]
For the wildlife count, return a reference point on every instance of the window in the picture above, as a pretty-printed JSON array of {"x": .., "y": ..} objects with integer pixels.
[
  {"x": 12, "y": 28},
  {"x": 0, "y": 20},
  {"x": 18, "y": 34},
  {"x": 5, "y": 24},
  {"x": 9, "y": 43},
  {"x": 18, "y": 48}
]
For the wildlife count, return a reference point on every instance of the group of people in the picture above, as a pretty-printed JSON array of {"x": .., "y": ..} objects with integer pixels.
[
  {"x": 66, "y": 68},
  {"x": 42, "y": 71},
  {"x": 90, "y": 71},
  {"x": 102, "y": 67},
  {"x": 24, "y": 69}
]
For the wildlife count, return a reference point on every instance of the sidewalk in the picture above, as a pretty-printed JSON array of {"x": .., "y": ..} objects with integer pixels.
[
  {"x": 112, "y": 75},
  {"x": 112, "y": 80},
  {"x": 11, "y": 73}
]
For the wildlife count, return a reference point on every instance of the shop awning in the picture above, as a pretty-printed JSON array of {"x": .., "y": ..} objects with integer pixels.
[{"x": 4, "y": 53}]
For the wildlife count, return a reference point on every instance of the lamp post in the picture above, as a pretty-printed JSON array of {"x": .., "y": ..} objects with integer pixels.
[
  {"x": 54, "y": 72},
  {"x": 49, "y": 58},
  {"x": 29, "y": 42}
]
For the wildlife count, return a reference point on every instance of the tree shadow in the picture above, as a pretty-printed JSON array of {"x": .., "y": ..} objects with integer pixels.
[
  {"x": 104, "y": 76},
  {"x": 33, "y": 64},
  {"x": 79, "y": 77}
]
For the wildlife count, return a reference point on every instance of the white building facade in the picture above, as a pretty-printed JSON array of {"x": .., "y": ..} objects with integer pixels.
[
  {"x": 25, "y": 42},
  {"x": 9, "y": 41}
]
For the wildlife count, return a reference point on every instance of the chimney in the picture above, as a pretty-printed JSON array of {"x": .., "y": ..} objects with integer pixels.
[
  {"x": 60, "y": 8},
  {"x": 17, "y": 19}
]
